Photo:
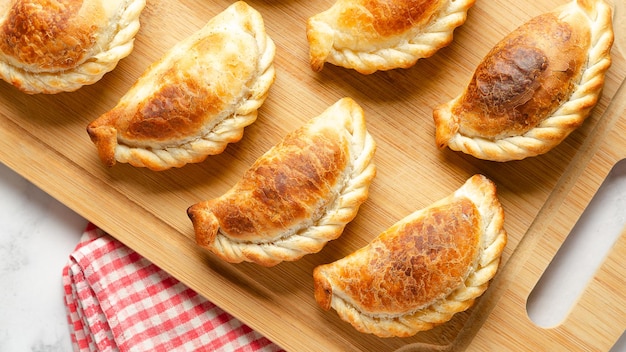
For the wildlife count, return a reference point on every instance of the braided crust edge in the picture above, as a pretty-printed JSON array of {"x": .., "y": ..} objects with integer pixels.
[
  {"x": 89, "y": 71},
  {"x": 347, "y": 113},
  {"x": 482, "y": 192},
  {"x": 420, "y": 44},
  {"x": 231, "y": 128},
  {"x": 569, "y": 116}
]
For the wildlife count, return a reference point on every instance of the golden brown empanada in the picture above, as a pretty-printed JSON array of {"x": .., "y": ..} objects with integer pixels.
[
  {"x": 533, "y": 88},
  {"x": 422, "y": 270},
  {"x": 59, "y": 46},
  {"x": 368, "y": 35},
  {"x": 297, "y": 196},
  {"x": 196, "y": 99}
]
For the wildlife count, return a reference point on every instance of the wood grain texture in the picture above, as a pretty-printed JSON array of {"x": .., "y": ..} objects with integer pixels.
[{"x": 43, "y": 138}]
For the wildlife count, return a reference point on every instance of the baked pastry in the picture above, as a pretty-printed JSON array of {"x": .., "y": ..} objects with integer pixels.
[
  {"x": 368, "y": 36},
  {"x": 297, "y": 196},
  {"x": 60, "y": 46},
  {"x": 422, "y": 270},
  {"x": 533, "y": 88},
  {"x": 196, "y": 99}
]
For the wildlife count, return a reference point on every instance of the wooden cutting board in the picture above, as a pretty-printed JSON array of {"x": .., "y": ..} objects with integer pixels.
[{"x": 43, "y": 138}]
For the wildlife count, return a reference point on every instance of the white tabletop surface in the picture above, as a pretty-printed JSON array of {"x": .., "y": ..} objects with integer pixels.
[{"x": 37, "y": 234}]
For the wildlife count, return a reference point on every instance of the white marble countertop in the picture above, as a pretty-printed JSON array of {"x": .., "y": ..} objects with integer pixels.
[{"x": 37, "y": 234}]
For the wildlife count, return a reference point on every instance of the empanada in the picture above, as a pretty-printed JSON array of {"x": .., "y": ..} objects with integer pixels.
[
  {"x": 297, "y": 196},
  {"x": 422, "y": 270},
  {"x": 368, "y": 36},
  {"x": 533, "y": 88},
  {"x": 196, "y": 99},
  {"x": 59, "y": 46}
]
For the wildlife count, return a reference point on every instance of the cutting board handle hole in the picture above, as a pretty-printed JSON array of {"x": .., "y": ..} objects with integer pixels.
[
  {"x": 582, "y": 253},
  {"x": 620, "y": 345}
]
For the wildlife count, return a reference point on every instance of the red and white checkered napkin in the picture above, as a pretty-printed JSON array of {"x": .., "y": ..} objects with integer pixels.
[{"x": 118, "y": 300}]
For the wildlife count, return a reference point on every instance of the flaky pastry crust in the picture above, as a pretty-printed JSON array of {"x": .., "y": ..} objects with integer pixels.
[
  {"x": 534, "y": 88},
  {"x": 53, "y": 46},
  {"x": 372, "y": 35},
  {"x": 422, "y": 270},
  {"x": 296, "y": 197},
  {"x": 196, "y": 99}
]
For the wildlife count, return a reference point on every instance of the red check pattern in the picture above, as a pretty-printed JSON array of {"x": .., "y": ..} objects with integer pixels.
[{"x": 117, "y": 300}]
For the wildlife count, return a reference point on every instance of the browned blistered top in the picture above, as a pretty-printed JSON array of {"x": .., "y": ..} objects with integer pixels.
[
  {"x": 409, "y": 266},
  {"x": 176, "y": 102},
  {"x": 50, "y": 35},
  {"x": 293, "y": 183},
  {"x": 523, "y": 79},
  {"x": 387, "y": 18}
]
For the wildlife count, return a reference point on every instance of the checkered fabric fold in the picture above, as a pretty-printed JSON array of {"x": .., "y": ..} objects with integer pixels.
[{"x": 117, "y": 300}]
